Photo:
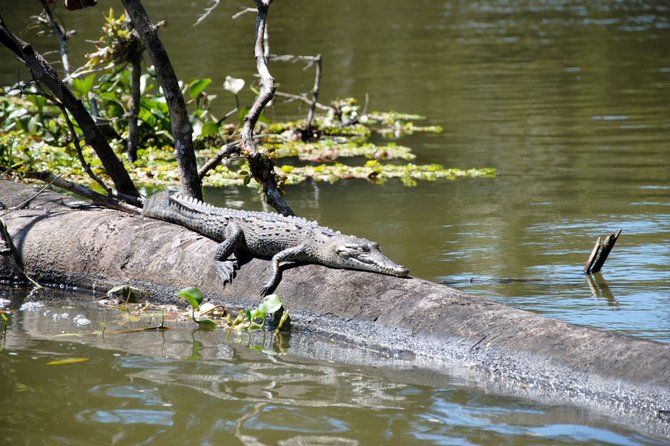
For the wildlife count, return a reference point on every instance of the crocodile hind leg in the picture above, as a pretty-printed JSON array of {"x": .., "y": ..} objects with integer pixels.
[{"x": 225, "y": 269}]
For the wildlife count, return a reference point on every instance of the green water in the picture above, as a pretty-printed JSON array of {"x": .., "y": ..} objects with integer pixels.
[
  {"x": 568, "y": 100},
  {"x": 187, "y": 386}
]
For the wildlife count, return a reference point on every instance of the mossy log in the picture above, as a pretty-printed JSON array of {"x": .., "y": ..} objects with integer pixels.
[{"x": 61, "y": 240}]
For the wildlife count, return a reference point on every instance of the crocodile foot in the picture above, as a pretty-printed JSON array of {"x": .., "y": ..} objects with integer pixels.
[
  {"x": 226, "y": 270},
  {"x": 266, "y": 289}
]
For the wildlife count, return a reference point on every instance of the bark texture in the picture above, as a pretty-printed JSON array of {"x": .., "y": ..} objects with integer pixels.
[{"x": 509, "y": 349}]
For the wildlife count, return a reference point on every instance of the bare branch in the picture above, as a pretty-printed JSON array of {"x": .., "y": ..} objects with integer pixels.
[
  {"x": 99, "y": 199},
  {"x": 61, "y": 36},
  {"x": 226, "y": 151},
  {"x": 311, "y": 60},
  {"x": 242, "y": 12},
  {"x": 25, "y": 202},
  {"x": 302, "y": 98},
  {"x": 208, "y": 11},
  {"x": 262, "y": 167}
]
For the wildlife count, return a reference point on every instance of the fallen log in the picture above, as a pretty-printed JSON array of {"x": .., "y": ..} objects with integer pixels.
[{"x": 61, "y": 240}]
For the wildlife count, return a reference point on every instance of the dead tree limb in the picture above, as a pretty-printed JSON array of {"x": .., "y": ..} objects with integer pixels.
[
  {"x": 600, "y": 252},
  {"x": 226, "y": 151},
  {"x": 44, "y": 74},
  {"x": 60, "y": 35},
  {"x": 311, "y": 60},
  {"x": 304, "y": 99},
  {"x": 99, "y": 199},
  {"x": 208, "y": 10},
  {"x": 181, "y": 126},
  {"x": 135, "y": 59},
  {"x": 262, "y": 167}
]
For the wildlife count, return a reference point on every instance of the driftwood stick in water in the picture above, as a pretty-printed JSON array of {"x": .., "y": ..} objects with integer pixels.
[{"x": 600, "y": 252}]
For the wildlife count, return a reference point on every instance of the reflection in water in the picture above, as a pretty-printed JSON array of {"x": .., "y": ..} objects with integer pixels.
[
  {"x": 599, "y": 288},
  {"x": 148, "y": 388}
]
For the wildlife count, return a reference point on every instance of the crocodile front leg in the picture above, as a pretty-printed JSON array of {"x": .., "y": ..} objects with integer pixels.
[
  {"x": 287, "y": 254},
  {"x": 234, "y": 238}
]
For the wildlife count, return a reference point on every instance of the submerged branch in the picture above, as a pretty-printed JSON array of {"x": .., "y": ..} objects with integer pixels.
[{"x": 600, "y": 252}]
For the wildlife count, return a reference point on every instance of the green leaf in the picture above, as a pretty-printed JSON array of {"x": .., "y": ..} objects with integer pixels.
[
  {"x": 191, "y": 295},
  {"x": 270, "y": 304},
  {"x": 68, "y": 361},
  {"x": 197, "y": 86},
  {"x": 258, "y": 314},
  {"x": 206, "y": 324},
  {"x": 209, "y": 129},
  {"x": 83, "y": 86},
  {"x": 233, "y": 85}
]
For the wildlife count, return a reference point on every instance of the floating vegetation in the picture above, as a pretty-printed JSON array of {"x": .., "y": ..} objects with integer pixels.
[
  {"x": 33, "y": 138},
  {"x": 376, "y": 172}
]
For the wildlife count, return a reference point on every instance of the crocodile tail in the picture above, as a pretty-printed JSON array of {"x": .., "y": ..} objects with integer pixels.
[{"x": 157, "y": 205}]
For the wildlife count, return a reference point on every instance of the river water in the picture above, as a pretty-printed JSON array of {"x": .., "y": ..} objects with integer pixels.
[{"x": 568, "y": 100}]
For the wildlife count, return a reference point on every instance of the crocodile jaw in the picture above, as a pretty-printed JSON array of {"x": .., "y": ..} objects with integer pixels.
[{"x": 365, "y": 255}]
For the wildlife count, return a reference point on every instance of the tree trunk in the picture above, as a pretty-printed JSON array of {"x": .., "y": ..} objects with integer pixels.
[{"x": 181, "y": 126}]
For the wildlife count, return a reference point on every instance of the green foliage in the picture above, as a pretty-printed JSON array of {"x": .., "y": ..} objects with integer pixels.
[
  {"x": 246, "y": 319},
  {"x": 34, "y": 135},
  {"x": 83, "y": 86},
  {"x": 194, "y": 297},
  {"x": 114, "y": 45},
  {"x": 191, "y": 295}
]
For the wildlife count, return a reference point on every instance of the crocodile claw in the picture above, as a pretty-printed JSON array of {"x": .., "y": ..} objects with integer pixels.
[
  {"x": 226, "y": 270},
  {"x": 266, "y": 289}
]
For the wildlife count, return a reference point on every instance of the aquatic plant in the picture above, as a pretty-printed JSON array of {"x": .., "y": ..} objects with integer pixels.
[{"x": 269, "y": 315}]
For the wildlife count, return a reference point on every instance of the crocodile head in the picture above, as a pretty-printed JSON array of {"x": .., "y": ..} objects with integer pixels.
[{"x": 358, "y": 253}]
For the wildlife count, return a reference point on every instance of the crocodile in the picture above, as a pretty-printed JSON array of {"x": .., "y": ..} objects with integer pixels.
[{"x": 267, "y": 234}]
